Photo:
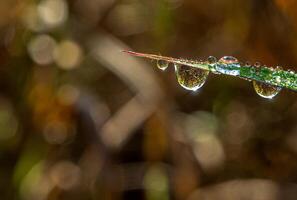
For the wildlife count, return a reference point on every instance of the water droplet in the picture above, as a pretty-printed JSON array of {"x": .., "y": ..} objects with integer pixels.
[
  {"x": 265, "y": 90},
  {"x": 162, "y": 64},
  {"x": 228, "y": 65},
  {"x": 228, "y": 60},
  {"x": 247, "y": 63},
  {"x": 212, "y": 62},
  {"x": 257, "y": 64},
  {"x": 211, "y": 59},
  {"x": 190, "y": 78}
]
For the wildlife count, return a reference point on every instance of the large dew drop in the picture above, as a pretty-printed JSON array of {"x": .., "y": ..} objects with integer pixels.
[
  {"x": 228, "y": 65},
  {"x": 163, "y": 65},
  {"x": 265, "y": 90},
  {"x": 190, "y": 78}
]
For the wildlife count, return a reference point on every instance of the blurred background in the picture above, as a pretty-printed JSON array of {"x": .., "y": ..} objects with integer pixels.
[{"x": 79, "y": 119}]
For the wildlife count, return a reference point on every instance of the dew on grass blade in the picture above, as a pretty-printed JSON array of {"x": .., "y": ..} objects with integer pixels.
[
  {"x": 228, "y": 60},
  {"x": 211, "y": 59},
  {"x": 257, "y": 64},
  {"x": 265, "y": 90},
  {"x": 190, "y": 78},
  {"x": 212, "y": 63},
  {"x": 248, "y": 64},
  {"x": 162, "y": 64},
  {"x": 228, "y": 65}
]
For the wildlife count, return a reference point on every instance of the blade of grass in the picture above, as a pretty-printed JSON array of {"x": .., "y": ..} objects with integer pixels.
[{"x": 276, "y": 77}]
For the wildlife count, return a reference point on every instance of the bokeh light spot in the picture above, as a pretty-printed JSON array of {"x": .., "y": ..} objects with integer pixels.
[
  {"x": 68, "y": 54},
  {"x": 41, "y": 49}
]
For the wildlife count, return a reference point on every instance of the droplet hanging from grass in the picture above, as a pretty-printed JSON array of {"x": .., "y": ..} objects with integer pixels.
[
  {"x": 190, "y": 78},
  {"x": 163, "y": 65},
  {"x": 265, "y": 90}
]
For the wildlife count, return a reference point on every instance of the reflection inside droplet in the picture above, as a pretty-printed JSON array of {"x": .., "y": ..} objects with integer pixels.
[
  {"x": 265, "y": 90},
  {"x": 190, "y": 78}
]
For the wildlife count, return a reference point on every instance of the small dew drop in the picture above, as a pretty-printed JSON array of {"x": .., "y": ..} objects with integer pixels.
[
  {"x": 279, "y": 68},
  {"x": 248, "y": 64},
  {"x": 265, "y": 90},
  {"x": 228, "y": 60},
  {"x": 257, "y": 64},
  {"x": 212, "y": 62},
  {"x": 211, "y": 59},
  {"x": 162, "y": 64},
  {"x": 190, "y": 78}
]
